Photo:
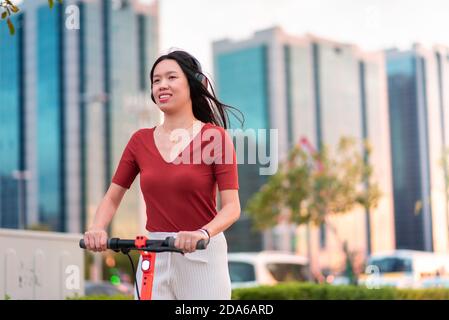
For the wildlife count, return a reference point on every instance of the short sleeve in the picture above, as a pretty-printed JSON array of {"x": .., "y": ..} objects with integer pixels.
[
  {"x": 225, "y": 163},
  {"x": 128, "y": 168}
]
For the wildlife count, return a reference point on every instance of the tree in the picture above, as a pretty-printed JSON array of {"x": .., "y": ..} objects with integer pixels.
[
  {"x": 9, "y": 8},
  {"x": 266, "y": 206},
  {"x": 311, "y": 186}
]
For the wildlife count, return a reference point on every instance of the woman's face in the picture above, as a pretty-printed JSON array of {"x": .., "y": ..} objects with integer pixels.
[{"x": 170, "y": 86}]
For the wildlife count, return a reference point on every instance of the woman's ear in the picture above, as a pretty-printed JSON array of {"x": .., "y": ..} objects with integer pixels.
[{"x": 204, "y": 81}]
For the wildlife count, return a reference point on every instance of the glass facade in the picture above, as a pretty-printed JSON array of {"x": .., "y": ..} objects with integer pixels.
[
  {"x": 405, "y": 145},
  {"x": 128, "y": 69},
  {"x": 302, "y": 112},
  {"x": 417, "y": 114},
  {"x": 93, "y": 99},
  {"x": 11, "y": 118},
  {"x": 242, "y": 82},
  {"x": 245, "y": 88},
  {"x": 301, "y": 116},
  {"x": 339, "y": 95},
  {"x": 50, "y": 148},
  {"x": 122, "y": 64},
  {"x": 376, "y": 129},
  {"x": 111, "y": 73},
  {"x": 70, "y": 106},
  {"x": 338, "y": 109}
]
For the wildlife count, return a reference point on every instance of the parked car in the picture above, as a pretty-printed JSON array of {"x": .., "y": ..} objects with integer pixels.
[
  {"x": 339, "y": 280},
  {"x": 249, "y": 269},
  {"x": 406, "y": 269},
  {"x": 435, "y": 282}
]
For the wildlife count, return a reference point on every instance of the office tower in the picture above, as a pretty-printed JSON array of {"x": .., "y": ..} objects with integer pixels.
[
  {"x": 12, "y": 154},
  {"x": 418, "y": 82},
  {"x": 81, "y": 84}
]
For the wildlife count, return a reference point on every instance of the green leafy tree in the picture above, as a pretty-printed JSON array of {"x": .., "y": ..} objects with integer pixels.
[
  {"x": 312, "y": 186},
  {"x": 8, "y": 8},
  {"x": 267, "y": 207}
]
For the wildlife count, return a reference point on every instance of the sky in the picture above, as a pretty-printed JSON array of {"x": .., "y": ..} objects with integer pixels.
[{"x": 193, "y": 25}]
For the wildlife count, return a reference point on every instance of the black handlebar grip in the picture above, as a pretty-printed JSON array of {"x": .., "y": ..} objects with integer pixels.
[
  {"x": 201, "y": 244},
  {"x": 83, "y": 244}
]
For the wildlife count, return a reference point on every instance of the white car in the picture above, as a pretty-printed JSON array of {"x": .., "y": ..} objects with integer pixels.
[
  {"x": 435, "y": 282},
  {"x": 248, "y": 269}
]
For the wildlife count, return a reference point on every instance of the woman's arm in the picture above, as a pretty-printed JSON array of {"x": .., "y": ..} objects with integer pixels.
[
  {"x": 228, "y": 214},
  {"x": 96, "y": 235}
]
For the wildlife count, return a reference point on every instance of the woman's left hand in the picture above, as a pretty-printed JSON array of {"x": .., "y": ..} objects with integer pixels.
[{"x": 187, "y": 240}]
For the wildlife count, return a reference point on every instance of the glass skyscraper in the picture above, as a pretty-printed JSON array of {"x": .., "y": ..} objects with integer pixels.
[
  {"x": 66, "y": 113},
  {"x": 250, "y": 96},
  {"x": 12, "y": 153},
  {"x": 51, "y": 159},
  {"x": 418, "y": 85}
]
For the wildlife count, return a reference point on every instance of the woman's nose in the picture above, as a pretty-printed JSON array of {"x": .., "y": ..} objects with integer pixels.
[{"x": 163, "y": 85}]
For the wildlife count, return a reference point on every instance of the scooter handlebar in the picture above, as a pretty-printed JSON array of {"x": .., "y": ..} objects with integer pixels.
[{"x": 160, "y": 245}]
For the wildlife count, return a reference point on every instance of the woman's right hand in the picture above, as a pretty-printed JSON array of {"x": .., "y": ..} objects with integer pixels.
[{"x": 95, "y": 239}]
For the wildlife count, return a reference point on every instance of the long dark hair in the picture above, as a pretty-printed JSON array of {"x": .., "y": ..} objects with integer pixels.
[{"x": 205, "y": 105}]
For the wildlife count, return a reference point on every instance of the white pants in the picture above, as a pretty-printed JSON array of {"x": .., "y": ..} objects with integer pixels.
[{"x": 200, "y": 275}]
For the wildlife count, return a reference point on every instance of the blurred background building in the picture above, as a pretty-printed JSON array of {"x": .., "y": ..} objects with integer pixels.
[
  {"x": 321, "y": 90},
  {"x": 418, "y": 90},
  {"x": 12, "y": 159},
  {"x": 74, "y": 83}
]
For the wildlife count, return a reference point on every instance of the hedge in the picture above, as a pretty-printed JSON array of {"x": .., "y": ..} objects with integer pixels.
[{"x": 311, "y": 291}]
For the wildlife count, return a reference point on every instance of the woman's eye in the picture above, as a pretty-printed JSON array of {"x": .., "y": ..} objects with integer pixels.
[
  {"x": 172, "y": 77},
  {"x": 156, "y": 81}
]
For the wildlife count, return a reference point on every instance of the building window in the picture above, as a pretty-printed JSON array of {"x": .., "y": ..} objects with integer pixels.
[{"x": 322, "y": 236}]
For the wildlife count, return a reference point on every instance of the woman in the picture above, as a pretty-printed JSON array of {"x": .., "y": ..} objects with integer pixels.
[{"x": 180, "y": 162}]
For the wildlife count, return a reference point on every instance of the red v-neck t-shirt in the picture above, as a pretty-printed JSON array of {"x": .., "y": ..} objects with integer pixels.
[{"x": 180, "y": 195}]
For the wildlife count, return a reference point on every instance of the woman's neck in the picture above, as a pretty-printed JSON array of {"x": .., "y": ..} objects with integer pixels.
[{"x": 177, "y": 122}]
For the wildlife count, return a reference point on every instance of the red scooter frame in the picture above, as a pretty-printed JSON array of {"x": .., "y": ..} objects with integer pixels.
[{"x": 147, "y": 266}]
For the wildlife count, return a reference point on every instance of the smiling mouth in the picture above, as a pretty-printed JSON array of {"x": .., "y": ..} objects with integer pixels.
[{"x": 164, "y": 97}]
